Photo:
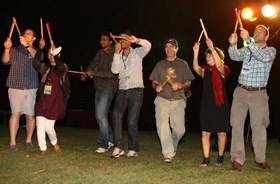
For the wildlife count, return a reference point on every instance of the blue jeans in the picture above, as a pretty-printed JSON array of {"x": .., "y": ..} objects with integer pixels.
[
  {"x": 130, "y": 99},
  {"x": 103, "y": 100}
]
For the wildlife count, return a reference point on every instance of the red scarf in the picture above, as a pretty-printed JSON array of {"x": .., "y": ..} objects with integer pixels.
[{"x": 217, "y": 83}]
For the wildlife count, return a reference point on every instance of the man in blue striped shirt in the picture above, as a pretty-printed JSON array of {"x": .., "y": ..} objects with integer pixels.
[
  {"x": 250, "y": 94},
  {"x": 22, "y": 83}
]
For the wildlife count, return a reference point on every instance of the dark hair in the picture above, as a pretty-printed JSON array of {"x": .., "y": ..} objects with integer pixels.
[
  {"x": 34, "y": 33},
  {"x": 107, "y": 33},
  {"x": 126, "y": 31}
]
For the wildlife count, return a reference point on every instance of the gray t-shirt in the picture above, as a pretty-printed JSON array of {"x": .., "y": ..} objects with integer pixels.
[{"x": 177, "y": 70}]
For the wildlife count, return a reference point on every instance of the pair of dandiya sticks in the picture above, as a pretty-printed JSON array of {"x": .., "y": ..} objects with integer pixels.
[
  {"x": 238, "y": 21},
  {"x": 14, "y": 23}
]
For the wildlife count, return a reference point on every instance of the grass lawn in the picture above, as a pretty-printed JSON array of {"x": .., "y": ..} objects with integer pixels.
[{"x": 78, "y": 163}]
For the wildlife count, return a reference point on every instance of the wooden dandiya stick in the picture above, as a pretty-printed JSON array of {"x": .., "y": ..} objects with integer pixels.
[
  {"x": 122, "y": 37},
  {"x": 167, "y": 80},
  {"x": 49, "y": 32},
  {"x": 77, "y": 72},
  {"x": 200, "y": 36},
  {"x": 238, "y": 17},
  {"x": 15, "y": 22},
  {"x": 81, "y": 67},
  {"x": 12, "y": 29},
  {"x": 112, "y": 36},
  {"x": 41, "y": 25},
  {"x": 203, "y": 28},
  {"x": 235, "y": 27}
]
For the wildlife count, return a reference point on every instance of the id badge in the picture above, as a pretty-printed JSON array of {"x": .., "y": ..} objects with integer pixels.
[
  {"x": 127, "y": 75},
  {"x": 48, "y": 89},
  {"x": 246, "y": 69}
]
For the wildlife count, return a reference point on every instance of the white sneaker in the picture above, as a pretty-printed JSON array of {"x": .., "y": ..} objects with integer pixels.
[
  {"x": 110, "y": 145},
  {"x": 132, "y": 153},
  {"x": 117, "y": 153},
  {"x": 101, "y": 150},
  {"x": 167, "y": 160},
  {"x": 56, "y": 51}
]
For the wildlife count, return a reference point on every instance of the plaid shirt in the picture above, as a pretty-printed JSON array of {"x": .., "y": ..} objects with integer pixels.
[
  {"x": 259, "y": 60},
  {"x": 22, "y": 74}
]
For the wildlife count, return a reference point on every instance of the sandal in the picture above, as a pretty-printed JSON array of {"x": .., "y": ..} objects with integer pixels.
[
  {"x": 220, "y": 160},
  {"x": 205, "y": 162}
]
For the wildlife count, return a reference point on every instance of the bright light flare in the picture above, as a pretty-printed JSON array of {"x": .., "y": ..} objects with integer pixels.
[
  {"x": 247, "y": 13},
  {"x": 269, "y": 11}
]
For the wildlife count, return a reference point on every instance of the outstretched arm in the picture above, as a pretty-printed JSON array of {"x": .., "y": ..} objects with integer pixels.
[
  {"x": 218, "y": 61},
  {"x": 196, "y": 67}
]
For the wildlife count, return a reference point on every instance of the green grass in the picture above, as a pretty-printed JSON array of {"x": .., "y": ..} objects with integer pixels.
[{"x": 78, "y": 163}]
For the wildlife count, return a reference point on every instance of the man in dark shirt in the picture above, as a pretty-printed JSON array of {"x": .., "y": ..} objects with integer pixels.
[{"x": 105, "y": 85}]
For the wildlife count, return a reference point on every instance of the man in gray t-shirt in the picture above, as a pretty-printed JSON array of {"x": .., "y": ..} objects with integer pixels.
[{"x": 170, "y": 77}]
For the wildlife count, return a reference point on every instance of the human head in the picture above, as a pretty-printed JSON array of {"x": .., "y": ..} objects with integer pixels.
[
  {"x": 30, "y": 35},
  {"x": 172, "y": 41},
  {"x": 105, "y": 40},
  {"x": 171, "y": 47},
  {"x": 124, "y": 43},
  {"x": 209, "y": 58},
  {"x": 261, "y": 33}
]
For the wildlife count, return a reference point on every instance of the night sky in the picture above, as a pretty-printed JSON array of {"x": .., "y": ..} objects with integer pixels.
[{"x": 76, "y": 26}]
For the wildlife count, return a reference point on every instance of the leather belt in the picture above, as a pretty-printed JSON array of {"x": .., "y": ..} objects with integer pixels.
[{"x": 251, "y": 88}]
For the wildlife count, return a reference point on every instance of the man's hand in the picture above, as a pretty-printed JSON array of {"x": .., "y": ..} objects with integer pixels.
[
  {"x": 176, "y": 85},
  {"x": 244, "y": 34},
  {"x": 233, "y": 39},
  {"x": 8, "y": 43}
]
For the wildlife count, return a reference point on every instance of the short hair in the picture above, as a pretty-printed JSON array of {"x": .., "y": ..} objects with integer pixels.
[
  {"x": 126, "y": 31},
  {"x": 219, "y": 52},
  {"x": 34, "y": 32},
  {"x": 107, "y": 33},
  {"x": 263, "y": 26}
]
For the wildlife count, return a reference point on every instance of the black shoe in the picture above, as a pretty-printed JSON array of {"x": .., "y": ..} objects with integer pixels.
[
  {"x": 205, "y": 162},
  {"x": 220, "y": 160}
]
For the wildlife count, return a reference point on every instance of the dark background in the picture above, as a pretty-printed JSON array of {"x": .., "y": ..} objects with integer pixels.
[{"x": 77, "y": 25}]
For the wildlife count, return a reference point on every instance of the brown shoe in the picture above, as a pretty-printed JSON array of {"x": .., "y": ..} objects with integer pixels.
[
  {"x": 264, "y": 165},
  {"x": 236, "y": 166},
  {"x": 43, "y": 153},
  {"x": 56, "y": 148}
]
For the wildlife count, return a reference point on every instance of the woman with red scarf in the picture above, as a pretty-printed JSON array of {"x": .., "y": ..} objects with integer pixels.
[{"x": 214, "y": 109}]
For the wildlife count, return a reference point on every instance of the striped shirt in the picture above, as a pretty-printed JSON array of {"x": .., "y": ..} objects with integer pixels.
[
  {"x": 22, "y": 74},
  {"x": 130, "y": 68},
  {"x": 257, "y": 63}
]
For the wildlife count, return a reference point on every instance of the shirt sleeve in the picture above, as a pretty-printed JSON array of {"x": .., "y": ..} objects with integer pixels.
[{"x": 262, "y": 54}]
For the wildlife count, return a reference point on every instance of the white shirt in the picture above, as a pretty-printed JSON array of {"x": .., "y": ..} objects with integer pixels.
[{"x": 130, "y": 68}]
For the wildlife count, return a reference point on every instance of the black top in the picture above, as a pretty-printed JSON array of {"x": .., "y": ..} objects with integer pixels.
[{"x": 213, "y": 118}]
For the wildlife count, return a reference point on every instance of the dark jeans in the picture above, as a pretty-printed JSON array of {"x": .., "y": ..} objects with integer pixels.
[
  {"x": 103, "y": 100},
  {"x": 130, "y": 99}
]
